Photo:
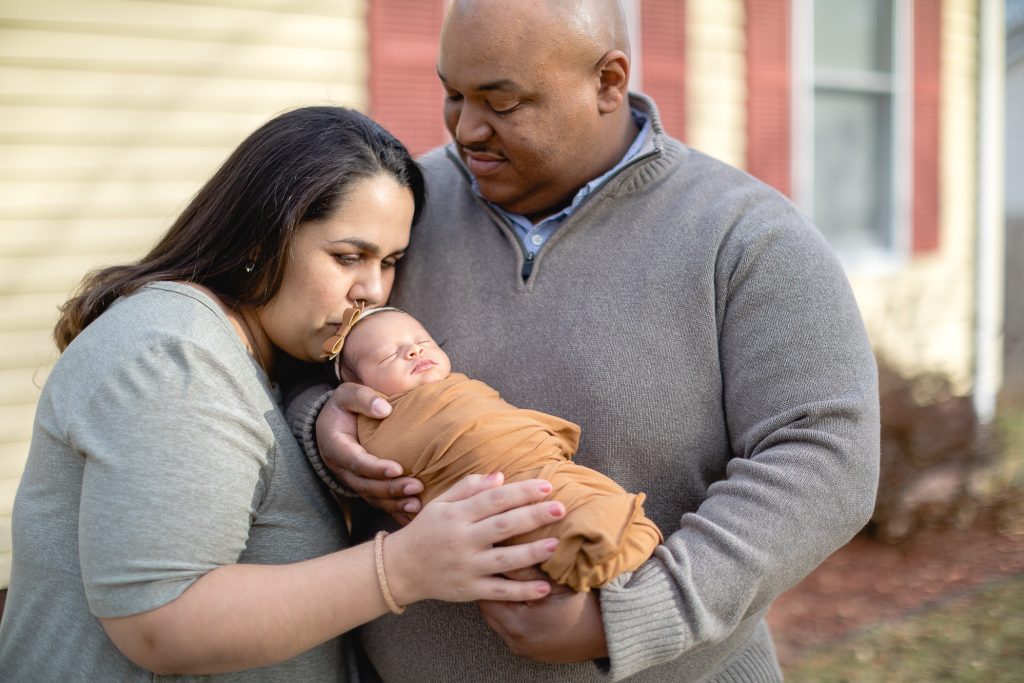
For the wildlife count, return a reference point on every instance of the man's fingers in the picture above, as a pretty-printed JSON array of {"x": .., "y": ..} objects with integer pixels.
[
  {"x": 348, "y": 456},
  {"x": 384, "y": 489},
  {"x": 360, "y": 399},
  {"x": 402, "y": 509}
]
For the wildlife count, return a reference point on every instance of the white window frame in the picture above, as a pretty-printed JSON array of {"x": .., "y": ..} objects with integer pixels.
[
  {"x": 632, "y": 10},
  {"x": 883, "y": 260}
]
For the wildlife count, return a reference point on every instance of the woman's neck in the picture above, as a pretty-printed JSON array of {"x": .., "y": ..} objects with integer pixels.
[{"x": 246, "y": 324}]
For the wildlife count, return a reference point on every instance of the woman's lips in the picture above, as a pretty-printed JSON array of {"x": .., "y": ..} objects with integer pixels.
[{"x": 484, "y": 164}]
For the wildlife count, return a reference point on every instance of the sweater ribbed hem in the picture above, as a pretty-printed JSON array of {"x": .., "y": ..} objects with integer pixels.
[
  {"x": 301, "y": 414},
  {"x": 756, "y": 662},
  {"x": 642, "y": 621}
]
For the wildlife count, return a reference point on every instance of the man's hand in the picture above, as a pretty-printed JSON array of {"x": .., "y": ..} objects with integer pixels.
[
  {"x": 379, "y": 482},
  {"x": 562, "y": 628}
]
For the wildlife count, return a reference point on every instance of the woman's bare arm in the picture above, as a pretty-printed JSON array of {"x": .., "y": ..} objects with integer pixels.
[{"x": 246, "y": 616}]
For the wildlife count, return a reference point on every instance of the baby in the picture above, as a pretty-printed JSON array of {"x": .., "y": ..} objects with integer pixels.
[{"x": 444, "y": 426}]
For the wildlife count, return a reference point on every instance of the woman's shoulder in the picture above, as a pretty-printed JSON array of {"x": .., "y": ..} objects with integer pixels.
[
  {"x": 169, "y": 327},
  {"x": 162, "y": 311}
]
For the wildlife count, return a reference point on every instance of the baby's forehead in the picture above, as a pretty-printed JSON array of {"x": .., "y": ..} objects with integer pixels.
[
  {"x": 389, "y": 321},
  {"x": 380, "y": 327}
]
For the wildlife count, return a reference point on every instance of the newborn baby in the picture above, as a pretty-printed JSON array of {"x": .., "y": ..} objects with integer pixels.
[{"x": 444, "y": 426}]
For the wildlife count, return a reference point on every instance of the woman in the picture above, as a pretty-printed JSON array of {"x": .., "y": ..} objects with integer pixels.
[{"x": 167, "y": 521}]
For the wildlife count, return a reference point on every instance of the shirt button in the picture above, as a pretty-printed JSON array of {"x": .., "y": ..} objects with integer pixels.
[{"x": 536, "y": 240}]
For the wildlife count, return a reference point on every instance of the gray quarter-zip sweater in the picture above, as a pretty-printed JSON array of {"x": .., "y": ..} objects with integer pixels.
[{"x": 704, "y": 336}]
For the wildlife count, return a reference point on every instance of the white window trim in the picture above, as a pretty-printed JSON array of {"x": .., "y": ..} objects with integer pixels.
[
  {"x": 901, "y": 154},
  {"x": 632, "y": 10}
]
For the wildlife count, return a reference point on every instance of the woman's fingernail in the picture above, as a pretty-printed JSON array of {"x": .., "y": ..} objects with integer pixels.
[
  {"x": 409, "y": 507},
  {"x": 410, "y": 490},
  {"x": 551, "y": 544},
  {"x": 380, "y": 407},
  {"x": 556, "y": 509},
  {"x": 544, "y": 487},
  {"x": 543, "y": 589},
  {"x": 493, "y": 476}
]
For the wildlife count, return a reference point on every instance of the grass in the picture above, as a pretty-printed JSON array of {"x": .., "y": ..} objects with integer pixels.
[{"x": 974, "y": 638}]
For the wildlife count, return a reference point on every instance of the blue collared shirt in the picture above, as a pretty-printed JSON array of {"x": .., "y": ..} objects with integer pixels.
[{"x": 534, "y": 236}]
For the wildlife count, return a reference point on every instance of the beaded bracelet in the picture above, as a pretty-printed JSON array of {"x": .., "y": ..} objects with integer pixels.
[{"x": 382, "y": 578}]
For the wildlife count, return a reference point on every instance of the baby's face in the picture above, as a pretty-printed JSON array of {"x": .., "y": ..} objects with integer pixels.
[{"x": 392, "y": 353}]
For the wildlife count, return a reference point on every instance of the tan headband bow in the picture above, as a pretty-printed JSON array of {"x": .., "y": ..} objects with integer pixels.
[{"x": 333, "y": 346}]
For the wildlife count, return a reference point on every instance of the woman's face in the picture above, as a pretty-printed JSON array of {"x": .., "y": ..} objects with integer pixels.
[{"x": 335, "y": 261}]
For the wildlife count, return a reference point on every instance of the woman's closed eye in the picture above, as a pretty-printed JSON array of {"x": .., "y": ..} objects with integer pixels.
[{"x": 349, "y": 259}]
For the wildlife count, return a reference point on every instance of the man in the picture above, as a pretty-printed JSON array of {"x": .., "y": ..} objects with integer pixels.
[{"x": 686, "y": 316}]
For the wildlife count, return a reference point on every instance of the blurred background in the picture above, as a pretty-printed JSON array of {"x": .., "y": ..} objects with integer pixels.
[{"x": 896, "y": 124}]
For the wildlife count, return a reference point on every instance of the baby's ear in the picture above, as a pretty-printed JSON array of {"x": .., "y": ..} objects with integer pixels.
[{"x": 346, "y": 372}]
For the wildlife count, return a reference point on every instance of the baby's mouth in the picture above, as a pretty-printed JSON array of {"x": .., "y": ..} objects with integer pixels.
[{"x": 423, "y": 366}]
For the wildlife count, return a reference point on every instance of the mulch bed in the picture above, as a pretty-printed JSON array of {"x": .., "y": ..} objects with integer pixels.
[{"x": 867, "y": 582}]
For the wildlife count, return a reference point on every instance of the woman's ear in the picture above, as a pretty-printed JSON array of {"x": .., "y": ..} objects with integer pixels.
[{"x": 613, "y": 71}]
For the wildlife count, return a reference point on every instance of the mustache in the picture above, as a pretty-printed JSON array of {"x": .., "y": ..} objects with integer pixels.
[{"x": 481, "y": 149}]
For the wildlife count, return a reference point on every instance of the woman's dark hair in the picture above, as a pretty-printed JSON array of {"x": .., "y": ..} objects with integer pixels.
[{"x": 233, "y": 237}]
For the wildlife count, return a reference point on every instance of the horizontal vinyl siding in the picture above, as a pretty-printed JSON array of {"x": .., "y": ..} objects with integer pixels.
[
  {"x": 716, "y": 79},
  {"x": 112, "y": 114}
]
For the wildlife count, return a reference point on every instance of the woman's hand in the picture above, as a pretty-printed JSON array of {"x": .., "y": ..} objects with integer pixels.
[
  {"x": 448, "y": 552},
  {"x": 564, "y": 627},
  {"x": 378, "y": 481}
]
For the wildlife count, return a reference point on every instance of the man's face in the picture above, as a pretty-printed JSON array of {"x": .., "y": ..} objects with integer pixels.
[{"x": 523, "y": 113}]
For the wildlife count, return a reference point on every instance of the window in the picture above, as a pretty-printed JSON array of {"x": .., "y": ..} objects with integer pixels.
[{"x": 851, "y": 131}]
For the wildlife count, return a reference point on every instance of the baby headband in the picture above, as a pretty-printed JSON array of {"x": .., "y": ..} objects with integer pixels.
[{"x": 334, "y": 345}]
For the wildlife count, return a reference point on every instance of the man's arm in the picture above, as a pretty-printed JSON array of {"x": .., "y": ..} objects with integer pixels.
[
  {"x": 324, "y": 422},
  {"x": 801, "y": 403}
]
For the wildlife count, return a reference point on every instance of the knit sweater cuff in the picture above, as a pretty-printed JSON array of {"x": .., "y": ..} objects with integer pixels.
[
  {"x": 301, "y": 415},
  {"x": 642, "y": 621}
]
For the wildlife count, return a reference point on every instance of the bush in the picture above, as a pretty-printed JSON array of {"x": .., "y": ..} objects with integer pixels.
[{"x": 931, "y": 449}]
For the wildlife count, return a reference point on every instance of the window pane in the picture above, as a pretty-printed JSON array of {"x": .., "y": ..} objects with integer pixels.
[
  {"x": 853, "y": 34},
  {"x": 852, "y": 169}
]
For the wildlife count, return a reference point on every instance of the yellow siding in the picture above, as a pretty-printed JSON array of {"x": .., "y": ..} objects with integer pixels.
[
  {"x": 921, "y": 317},
  {"x": 112, "y": 113},
  {"x": 716, "y": 74}
]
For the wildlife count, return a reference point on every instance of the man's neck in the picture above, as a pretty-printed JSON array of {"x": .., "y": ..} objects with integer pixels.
[{"x": 627, "y": 132}]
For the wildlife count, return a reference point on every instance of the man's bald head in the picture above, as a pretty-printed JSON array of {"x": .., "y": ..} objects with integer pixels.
[{"x": 593, "y": 27}]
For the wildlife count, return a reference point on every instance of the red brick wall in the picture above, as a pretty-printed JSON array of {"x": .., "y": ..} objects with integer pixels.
[
  {"x": 405, "y": 95},
  {"x": 769, "y": 85},
  {"x": 927, "y": 79},
  {"x": 662, "y": 32}
]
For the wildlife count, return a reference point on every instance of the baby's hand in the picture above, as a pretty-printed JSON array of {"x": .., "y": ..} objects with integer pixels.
[{"x": 378, "y": 481}]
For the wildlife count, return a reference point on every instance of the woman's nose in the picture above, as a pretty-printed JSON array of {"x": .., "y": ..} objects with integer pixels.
[{"x": 370, "y": 288}]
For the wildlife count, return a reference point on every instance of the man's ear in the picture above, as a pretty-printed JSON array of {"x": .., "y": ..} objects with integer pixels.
[{"x": 613, "y": 70}]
